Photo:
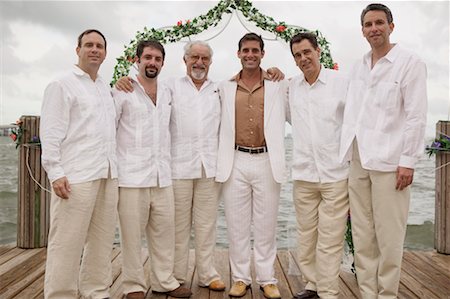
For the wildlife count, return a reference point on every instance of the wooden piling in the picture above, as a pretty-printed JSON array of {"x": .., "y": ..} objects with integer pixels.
[
  {"x": 442, "y": 206},
  {"x": 33, "y": 201}
]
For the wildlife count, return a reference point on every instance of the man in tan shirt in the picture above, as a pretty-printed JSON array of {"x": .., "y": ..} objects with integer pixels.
[{"x": 251, "y": 166}]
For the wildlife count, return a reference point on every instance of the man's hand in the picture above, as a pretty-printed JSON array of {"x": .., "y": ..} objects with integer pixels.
[
  {"x": 124, "y": 84},
  {"x": 62, "y": 188},
  {"x": 404, "y": 177},
  {"x": 275, "y": 74}
]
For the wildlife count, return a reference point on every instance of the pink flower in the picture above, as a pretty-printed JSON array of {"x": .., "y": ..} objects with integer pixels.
[
  {"x": 280, "y": 28},
  {"x": 188, "y": 22},
  {"x": 13, "y": 136},
  {"x": 335, "y": 66},
  {"x": 179, "y": 23},
  {"x": 132, "y": 59},
  {"x": 19, "y": 122}
]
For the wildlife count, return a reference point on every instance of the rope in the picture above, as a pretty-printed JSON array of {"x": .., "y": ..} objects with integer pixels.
[{"x": 28, "y": 146}]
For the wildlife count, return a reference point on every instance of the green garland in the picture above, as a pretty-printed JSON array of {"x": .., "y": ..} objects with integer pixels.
[{"x": 211, "y": 19}]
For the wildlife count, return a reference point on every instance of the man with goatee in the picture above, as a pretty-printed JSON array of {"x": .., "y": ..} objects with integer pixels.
[{"x": 146, "y": 202}]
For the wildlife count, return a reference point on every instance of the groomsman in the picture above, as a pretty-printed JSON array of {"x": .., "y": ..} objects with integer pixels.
[{"x": 382, "y": 137}]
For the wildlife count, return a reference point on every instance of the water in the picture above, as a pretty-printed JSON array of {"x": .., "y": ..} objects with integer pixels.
[{"x": 420, "y": 233}]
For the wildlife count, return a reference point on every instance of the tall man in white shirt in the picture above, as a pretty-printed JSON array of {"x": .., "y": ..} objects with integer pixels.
[
  {"x": 382, "y": 136},
  {"x": 316, "y": 102},
  {"x": 79, "y": 154},
  {"x": 194, "y": 129},
  {"x": 251, "y": 164},
  {"x": 146, "y": 202}
]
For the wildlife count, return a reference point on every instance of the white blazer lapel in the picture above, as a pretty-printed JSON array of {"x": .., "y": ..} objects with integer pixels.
[{"x": 270, "y": 90}]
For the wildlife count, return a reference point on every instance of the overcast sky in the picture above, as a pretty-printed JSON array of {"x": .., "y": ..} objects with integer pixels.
[{"x": 38, "y": 40}]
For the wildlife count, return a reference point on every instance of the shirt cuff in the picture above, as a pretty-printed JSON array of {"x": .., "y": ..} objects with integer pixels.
[{"x": 55, "y": 174}]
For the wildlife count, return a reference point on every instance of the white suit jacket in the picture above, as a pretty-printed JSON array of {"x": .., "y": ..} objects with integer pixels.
[{"x": 275, "y": 99}]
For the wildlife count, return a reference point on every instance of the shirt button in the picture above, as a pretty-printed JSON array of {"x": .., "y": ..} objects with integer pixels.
[
  {"x": 251, "y": 106},
  {"x": 251, "y": 132},
  {"x": 251, "y": 119}
]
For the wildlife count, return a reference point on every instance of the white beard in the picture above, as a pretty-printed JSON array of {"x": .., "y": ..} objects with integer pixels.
[{"x": 198, "y": 75}]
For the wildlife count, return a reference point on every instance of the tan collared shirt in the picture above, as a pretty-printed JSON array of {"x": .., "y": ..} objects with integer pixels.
[{"x": 250, "y": 112}]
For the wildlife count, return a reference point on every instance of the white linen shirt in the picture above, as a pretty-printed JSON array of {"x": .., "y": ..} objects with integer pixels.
[
  {"x": 386, "y": 111},
  {"x": 77, "y": 128},
  {"x": 316, "y": 113},
  {"x": 194, "y": 128},
  {"x": 143, "y": 138}
]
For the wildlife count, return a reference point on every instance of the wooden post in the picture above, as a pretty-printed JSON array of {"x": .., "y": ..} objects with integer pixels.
[
  {"x": 442, "y": 214},
  {"x": 33, "y": 201}
]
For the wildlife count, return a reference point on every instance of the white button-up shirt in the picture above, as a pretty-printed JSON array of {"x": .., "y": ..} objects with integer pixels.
[
  {"x": 386, "y": 111},
  {"x": 316, "y": 113},
  {"x": 77, "y": 128},
  {"x": 194, "y": 128},
  {"x": 143, "y": 137}
]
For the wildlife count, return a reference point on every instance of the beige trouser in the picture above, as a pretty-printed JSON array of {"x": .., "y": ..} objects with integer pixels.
[
  {"x": 379, "y": 216},
  {"x": 322, "y": 210},
  {"x": 150, "y": 210},
  {"x": 196, "y": 200},
  {"x": 87, "y": 219},
  {"x": 251, "y": 197}
]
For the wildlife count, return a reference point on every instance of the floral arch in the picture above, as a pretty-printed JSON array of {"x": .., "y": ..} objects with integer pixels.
[{"x": 171, "y": 34}]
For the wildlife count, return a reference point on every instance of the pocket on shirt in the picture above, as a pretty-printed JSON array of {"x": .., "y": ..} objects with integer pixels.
[{"x": 388, "y": 95}]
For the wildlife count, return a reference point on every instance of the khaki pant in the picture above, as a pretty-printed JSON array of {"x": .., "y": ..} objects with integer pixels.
[
  {"x": 87, "y": 219},
  {"x": 197, "y": 201},
  {"x": 379, "y": 216},
  {"x": 322, "y": 210},
  {"x": 149, "y": 210}
]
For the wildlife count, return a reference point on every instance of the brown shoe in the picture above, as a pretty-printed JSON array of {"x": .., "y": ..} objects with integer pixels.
[
  {"x": 217, "y": 285},
  {"x": 135, "y": 295},
  {"x": 271, "y": 291},
  {"x": 180, "y": 292},
  {"x": 238, "y": 289}
]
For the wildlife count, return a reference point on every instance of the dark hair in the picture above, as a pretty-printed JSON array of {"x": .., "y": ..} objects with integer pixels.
[
  {"x": 151, "y": 44},
  {"x": 86, "y": 32},
  {"x": 304, "y": 35},
  {"x": 377, "y": 6},
  {"x": 249, "y": 37}
]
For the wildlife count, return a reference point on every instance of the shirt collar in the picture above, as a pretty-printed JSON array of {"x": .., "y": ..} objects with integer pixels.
[
  {"x": 321, "y": 78},
  {"x": 264, "y": 76},
  {"x": 390, "y": 56},
  {"x": 206, "y": 83},
  {"x": 79, "y": 72}
]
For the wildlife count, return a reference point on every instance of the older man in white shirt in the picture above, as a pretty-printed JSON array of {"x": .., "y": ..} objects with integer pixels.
[
  {"x": 382, "y": 136},
  {"x": 316, "y": 102},
  {"x": 194, "y": 128},
  {"x": 145, "y": 195},
  {"x": 78, "y": 153}
]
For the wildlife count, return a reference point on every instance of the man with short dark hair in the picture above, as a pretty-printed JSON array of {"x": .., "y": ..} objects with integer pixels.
[
  {"x": 79, "y": 155},
  {"x": 382, "y": 136},
  {"x": 146, "y": 202},
  {"x": 316, "y": 102},
  {"x": 251, "y": 165}
]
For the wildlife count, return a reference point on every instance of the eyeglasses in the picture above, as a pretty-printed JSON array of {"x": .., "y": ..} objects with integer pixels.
[{"x": 205, "y": 59}]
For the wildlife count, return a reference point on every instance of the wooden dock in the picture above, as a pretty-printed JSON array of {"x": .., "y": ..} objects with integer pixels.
[{"x": 425, "y": 274}]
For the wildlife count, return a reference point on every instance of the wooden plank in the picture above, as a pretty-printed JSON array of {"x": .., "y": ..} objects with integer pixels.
[
  {"x": 282, "y": 284},
  {"x": 9, "y": 255},
  {"x": 348, "y": 287},
  {"x": 416, "y": 286},
  {"x": 34, "y": 290},
  {"x": 431, "y": 279},
  {"x": 13, "y": 289},
  {"x": 18, "y": 267},
  {"x": 291, "y": 271},
  {"x": 5, "y": 248},
  {"x": 222, "y": 266},
  {"x": 425, "y": 257}
]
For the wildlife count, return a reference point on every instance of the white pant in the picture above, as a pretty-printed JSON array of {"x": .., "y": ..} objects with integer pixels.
[
  {"x": 322, "y": 210},
  {"x": 150, "y": 210},
  {"x": 379, "y": 216},
  {"x": 196, "y": 200},
  {"x": 87, "y": 219},
  {"x": 251, "y": 195}
]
